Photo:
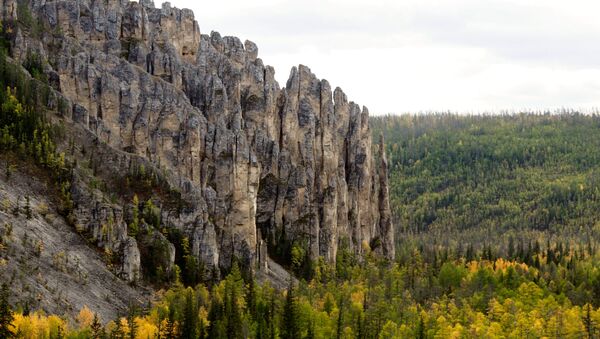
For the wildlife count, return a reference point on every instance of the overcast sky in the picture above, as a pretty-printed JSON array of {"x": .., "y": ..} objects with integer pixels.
[{"x": 397, "y": 56}]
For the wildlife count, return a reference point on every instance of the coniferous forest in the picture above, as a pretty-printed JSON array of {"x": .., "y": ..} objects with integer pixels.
[{"x": 497, "y": 219}]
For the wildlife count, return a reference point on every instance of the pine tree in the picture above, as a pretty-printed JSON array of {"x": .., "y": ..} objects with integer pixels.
[
  {"x": 360, "y": 323},
  {"x": 17, "y": 209},
  {"x": 271, "y": 317},
  {"x": 28, "y": 213},
  {"x": 340, "y": 320},
  {"x": 470, "y": 253},
  {"x": 6, "y": 315},
  {"x": 251, "y": 299},
  {"x": 8, "y": 170},
  {"x": 117, "y": 332},
  {"x": 233, "y": 315},
  {"x": 215, "y": 318},
  {"x": 135, "y": 222},
  {"x": 537, "y": 247},
  {"x": 511, "y": 247},
  {"x": 189, "y": 328},
  {"x": 290, "y": 327},
  {"x": 421, "y": 329},
  {"x": 133, "y": 326},
  {"x": 96, "y": 327},
  {"x": 60, "y": 332},
  {"x": 170, "y": 328},
  {"x": 201, "y": 329},
  {"x": 588, "y": 322},
  {"x": 311, "y": 331}
]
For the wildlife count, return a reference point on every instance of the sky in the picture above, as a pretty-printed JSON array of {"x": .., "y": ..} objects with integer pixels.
[{"x": 410, "y": 56}]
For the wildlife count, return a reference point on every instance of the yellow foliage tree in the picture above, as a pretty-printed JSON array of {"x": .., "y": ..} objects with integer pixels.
[
  {"x": 146, "y": 328},
  {"x": 85, "y": 317}
]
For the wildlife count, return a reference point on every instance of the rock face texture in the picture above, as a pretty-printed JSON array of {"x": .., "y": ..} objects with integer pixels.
[
  {"x": 260, "y": 165},
  {"x": 49, "y": 266}
]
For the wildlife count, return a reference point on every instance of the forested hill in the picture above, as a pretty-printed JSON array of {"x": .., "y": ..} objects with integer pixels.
[{"x": 500, "y": 180}]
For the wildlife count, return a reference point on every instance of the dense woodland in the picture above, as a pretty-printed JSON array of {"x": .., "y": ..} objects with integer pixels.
[
  {"x": 497, "y": 238},
  {"x": 370, "y": 299},
  {"x": 505, "y": 181}
]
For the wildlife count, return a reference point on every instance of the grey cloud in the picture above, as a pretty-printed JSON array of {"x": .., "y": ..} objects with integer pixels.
[
  {"x": 527, "y": 38},
  {"x": 517, "y": 32},
  {"x": 514, "y": 31}
]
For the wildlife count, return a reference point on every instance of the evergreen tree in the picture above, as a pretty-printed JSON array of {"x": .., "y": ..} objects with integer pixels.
[
  {"x": 133, "y": 326},
  {"x": 215, "y": 317},
  {"x": 96, "y": 327},
  {"x": 6, "y": 315},
  {"x": 289, "y": 326},
  {"x": 8, "y": 170},
  {"x": 588, "y": 322},
  {"x": 421, "y": 329},
  {"x": 233, "y": 315},
  {"x": 60, "y": 332},
  {"x": 28, "y": 213},
  {"x": 135, "y": 222},
  {"x": 470, "y": 253},
  {"x": 117, "y": 332},
  {"x": 310, "y": 334},
  {"x": 271, "y": 317},
  {"x": 340, "y": 319},
  {"x": 511, "y": 247},
  {"x": 170, "y": 331},
  {"x": 201, "y": 329},
  {"x": 251, "y": 299},
  {"x": 189, "y": 328}
]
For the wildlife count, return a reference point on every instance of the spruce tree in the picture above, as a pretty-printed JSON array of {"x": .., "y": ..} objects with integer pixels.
[
  {"x": 189, "y": 328},
  {"x": 6, "y": 315},
  {"x": 511, "y": 247},
  {"x": 233, "y": 315},
  {"x": 133, "y": 327},
  {"x": 588, "y": 322},
  {"x": 134, "y": 226},
  {"x": 170, "y": 328},
  {"x": 311, "y": 331},
  {"x": 117, "y": 332},
  {"x": 96, "y": 327},
  {"x": 271, "y": 316},
  {"x": 8, "y": 170},
  {"x": 289, "y": 324},
  {"x": 421, "y": 328},
  {"x": 60, "y": 332},
  {"x": 251, "y": 299},
  {"x": 340, "y": 320},
  {"x": 28, "y": 213}
]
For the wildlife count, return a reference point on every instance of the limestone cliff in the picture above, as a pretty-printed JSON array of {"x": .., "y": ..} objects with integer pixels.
[{"x": 259, "y": 165}]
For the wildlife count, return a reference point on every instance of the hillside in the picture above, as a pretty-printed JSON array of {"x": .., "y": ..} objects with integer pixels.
[{"x": 493, "y": 180}]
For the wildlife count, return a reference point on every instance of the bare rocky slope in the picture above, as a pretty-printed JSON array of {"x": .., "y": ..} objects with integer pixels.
[
  {"x": 255, "y": 169},
  {"x": 48, "y": 265}
]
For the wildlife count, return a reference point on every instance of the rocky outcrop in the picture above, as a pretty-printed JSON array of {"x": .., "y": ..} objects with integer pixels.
[
  {"x": 130, "y": 269},
  {"x": 260, "y": 164},
  {"x": 8, "y": 10},
  {"x": 50, "y": 267}
]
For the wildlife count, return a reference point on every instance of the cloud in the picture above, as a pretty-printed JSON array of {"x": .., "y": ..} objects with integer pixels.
[{"x": 412, "y": 55}]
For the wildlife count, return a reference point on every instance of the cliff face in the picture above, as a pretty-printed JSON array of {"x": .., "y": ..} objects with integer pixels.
[{"x": 262, "y": 166}]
